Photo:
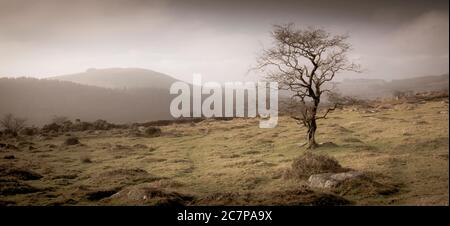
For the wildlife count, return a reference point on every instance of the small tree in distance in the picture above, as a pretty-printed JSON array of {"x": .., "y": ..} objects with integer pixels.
[
  {"x": 303, "y": 62},
  {"x": 11, "y": 124}
]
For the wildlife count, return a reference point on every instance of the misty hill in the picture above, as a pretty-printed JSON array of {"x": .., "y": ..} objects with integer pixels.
[
  {"x": 39, "y": 100},
  {"x": 121, "y": 78},
  {"x": 373, "y": 88}
]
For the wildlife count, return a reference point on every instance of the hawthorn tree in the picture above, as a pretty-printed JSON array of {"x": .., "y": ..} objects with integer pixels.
[
  {"x": 303, "y": 61},
  {"x": 11, "y": 124}
]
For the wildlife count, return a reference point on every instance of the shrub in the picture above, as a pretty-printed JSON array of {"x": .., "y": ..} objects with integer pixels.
[
  {"x": 52, "y": 127},
  {"x": 152, "y": 131},
  {"x": 85, "y": 159},
  {"x": 29, "y": 131},
  {"x": 11, "y": 124},
  {"x": 71, "y": 141}
]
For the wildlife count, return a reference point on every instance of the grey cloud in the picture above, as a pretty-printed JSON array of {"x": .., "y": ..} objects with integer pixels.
[{"x": 219, "y": 39}]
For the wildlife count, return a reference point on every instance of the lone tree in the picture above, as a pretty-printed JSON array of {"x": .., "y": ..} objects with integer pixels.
[
  {"x": 303, "y": 62},
  {"x": 11, "y": 124}
]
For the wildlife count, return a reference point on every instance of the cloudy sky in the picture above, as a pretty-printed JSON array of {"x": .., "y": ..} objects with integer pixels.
[{"x": 219, "y": 39}]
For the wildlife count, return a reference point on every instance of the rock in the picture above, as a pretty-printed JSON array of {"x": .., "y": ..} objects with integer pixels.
[
  {"x": 332, "y": 180},
  {"x": 141, "y": 129}
]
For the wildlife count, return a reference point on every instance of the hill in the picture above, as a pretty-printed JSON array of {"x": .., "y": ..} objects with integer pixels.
[
  {"x": 373, "y": 88},
  {"x": 39, "y": 100},
  {"x": 121, "y": 78}
]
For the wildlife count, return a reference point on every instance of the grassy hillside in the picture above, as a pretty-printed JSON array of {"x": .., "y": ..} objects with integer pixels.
[{"x": 405, "y": 146}]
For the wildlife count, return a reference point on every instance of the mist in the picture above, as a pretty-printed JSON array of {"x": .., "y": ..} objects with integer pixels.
[{"x": 218, "y": 39}]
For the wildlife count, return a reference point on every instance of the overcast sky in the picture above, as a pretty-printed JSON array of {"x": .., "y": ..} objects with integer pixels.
[{"x": 219, "y": 39}]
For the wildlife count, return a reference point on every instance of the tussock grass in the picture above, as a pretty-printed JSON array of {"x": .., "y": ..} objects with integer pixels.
[
  {"x": 309, "y": 164},
  {"x": 236, "y": 157}
]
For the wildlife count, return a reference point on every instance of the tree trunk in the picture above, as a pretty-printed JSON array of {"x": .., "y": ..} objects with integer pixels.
[
  {"x": 313, "y": 125},
  {"x": 312, "y": 135}
]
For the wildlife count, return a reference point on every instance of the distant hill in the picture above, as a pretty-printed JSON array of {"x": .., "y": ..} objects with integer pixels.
[
  {"x": 121, "y": 78},
  {"x": 39, "y": 100},
  {"x": 372, "y": 88},
  {"x": 147, "y": 96}
]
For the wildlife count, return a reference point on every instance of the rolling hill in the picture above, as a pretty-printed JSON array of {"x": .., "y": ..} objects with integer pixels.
[
  {"x": 138, "y": 95},
  {"x": 373, "y": 88},
  {"x": 120, "y": 78},
  {"x": 39, "y": 100}
]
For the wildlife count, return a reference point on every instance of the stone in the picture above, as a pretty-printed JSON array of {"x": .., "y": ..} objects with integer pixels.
[{"x": 332, "y": 180}]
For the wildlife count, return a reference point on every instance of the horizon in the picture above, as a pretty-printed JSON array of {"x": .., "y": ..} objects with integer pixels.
[{"x": 339, "y": 79}]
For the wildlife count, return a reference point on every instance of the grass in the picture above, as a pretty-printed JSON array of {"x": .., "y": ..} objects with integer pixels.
[{"x": 232, "y": 159}]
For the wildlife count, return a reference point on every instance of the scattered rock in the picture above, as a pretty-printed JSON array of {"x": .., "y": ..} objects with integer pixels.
[
  {"x": 369, "y": 111},
  {"x": 332, "y": 180}
]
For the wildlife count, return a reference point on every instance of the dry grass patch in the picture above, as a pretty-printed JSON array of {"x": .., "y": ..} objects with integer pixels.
[{"x": 309, "y": 164}]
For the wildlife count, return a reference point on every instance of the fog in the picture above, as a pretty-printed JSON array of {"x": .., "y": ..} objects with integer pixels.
[{"x": 219, "y": 39}]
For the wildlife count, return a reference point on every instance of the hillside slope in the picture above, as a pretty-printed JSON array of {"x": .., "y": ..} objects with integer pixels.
[
  {"x": 122, "y": 78},
  {"x": 39, "y": 100}
]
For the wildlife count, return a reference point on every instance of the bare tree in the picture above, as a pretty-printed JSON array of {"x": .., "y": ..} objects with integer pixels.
[
  {"x": 11, "y": 124},
  {"x": 303, "y": 62}
]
